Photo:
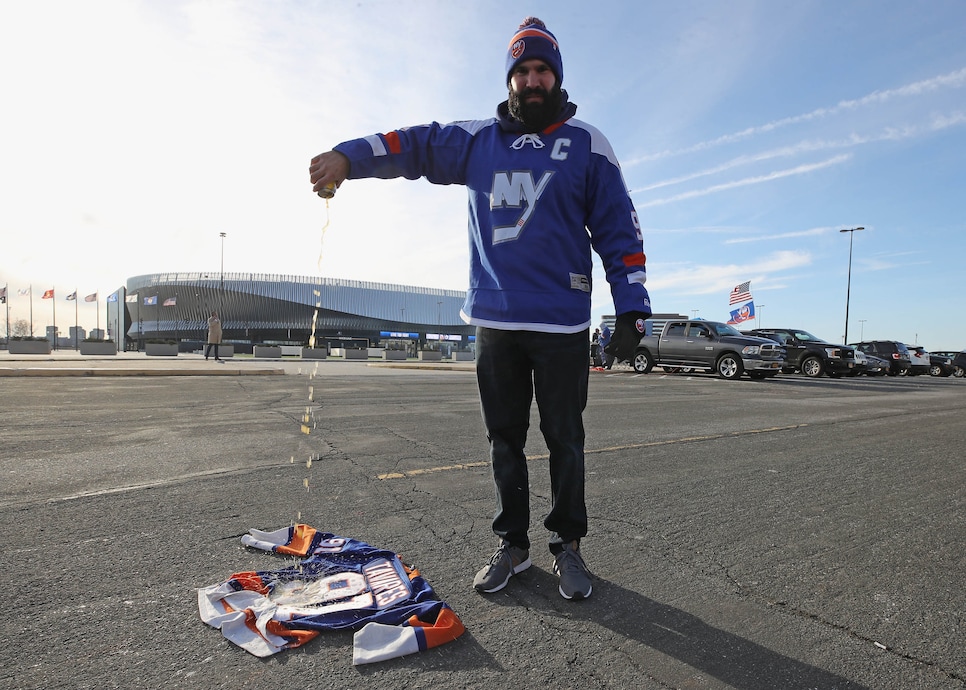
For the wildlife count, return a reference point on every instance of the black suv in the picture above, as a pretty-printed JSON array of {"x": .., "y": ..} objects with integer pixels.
[
  {"x": 809, "y": 354},
  {"x": 895, "y": 353},
  {"x": 957, "y": 361}
]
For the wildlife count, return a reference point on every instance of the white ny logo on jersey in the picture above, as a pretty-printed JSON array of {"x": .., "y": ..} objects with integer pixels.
[{"x": 510, "y": 190}]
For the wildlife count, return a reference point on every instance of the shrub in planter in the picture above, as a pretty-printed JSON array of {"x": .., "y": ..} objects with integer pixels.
[
  {"x": 161, "y": 348},
  {"x": 98, "y": 346},
  {"x": 28, "y": 345},
  {"x": 314, "y": 352},
  {"x": 268, "y": 351}
]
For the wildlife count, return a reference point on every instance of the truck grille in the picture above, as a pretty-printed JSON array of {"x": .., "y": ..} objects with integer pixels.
[{"x": 772, "y": 352}]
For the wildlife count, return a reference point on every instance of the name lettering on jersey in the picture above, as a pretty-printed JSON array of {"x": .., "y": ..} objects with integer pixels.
[
  {"x": 558, "y": 153},
  {"x": 510, "y": 190},
  {"x": 385, "y": 582}
]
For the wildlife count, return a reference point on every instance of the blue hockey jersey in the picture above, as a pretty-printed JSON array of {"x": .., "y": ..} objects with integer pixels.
[
  {"x": 538, "y": 204},
  {"x": 340, "y": 584}
]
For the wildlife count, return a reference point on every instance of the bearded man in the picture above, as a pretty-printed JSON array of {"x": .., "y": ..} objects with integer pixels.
[{"x": 544, "y": 190}]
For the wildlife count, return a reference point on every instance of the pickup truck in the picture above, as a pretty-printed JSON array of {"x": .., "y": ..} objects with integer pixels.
[
  {"x": 809, "y": 354},
  {"x": 709, "y": 345}
]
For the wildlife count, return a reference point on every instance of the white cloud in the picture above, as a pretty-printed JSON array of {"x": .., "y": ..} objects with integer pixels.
[{"x": 758, "y": 179}]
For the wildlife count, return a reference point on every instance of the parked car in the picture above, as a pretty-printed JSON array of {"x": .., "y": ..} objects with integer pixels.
[
  {"x": 959, "y": 364},
  {"x": 918, "y": 361},
  {"x": 870, "y": 365},
  {"x": 709, "y": 345},
  {"x": 939, "y": 365},
  {"x": 809, "y": 354},
  {"x": 892, "y": 351},
  {"x": 957, "y": 361}
]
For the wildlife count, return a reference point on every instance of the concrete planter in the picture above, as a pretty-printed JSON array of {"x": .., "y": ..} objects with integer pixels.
[
  {"x": 267, "y": 351},
  {"x": 430, "y": 356},
  {"x": 161, "y": 349},
  {"x": 356, "y": 354},
  {"x": 463, "y": 356},
  {"x": 395, "y": 355},
  {"x": 314, "y": 353},
  {"x": 29, "y": 347},
  {"x": 108, "y": 348}
]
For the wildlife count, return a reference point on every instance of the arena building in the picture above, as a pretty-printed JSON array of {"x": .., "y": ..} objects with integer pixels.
[{"x": 258, "y": 308}]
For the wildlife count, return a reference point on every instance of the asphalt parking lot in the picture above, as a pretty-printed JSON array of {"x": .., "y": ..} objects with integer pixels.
[{"x": 792, "y": 533}]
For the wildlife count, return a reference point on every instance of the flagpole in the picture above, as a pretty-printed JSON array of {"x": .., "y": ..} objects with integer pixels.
[
  {"x": 53, "y": 306},
  {"x": 30, "y": 289},
  {"x": 76, "y": 308},
  {"x": 7, "y": 293}
]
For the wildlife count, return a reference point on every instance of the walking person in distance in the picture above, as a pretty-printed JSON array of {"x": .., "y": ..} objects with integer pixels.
[{"x": 214, "y": 335}]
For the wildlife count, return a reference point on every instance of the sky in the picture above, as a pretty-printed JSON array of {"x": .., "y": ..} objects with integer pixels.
[{"x": 750, "y": 133}]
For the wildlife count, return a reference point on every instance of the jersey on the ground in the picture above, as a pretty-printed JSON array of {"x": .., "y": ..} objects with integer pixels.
[{"x": 340, "y": 584}]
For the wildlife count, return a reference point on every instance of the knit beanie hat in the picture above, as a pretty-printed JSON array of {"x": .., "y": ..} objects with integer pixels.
[{"x": 533, "y": 40}]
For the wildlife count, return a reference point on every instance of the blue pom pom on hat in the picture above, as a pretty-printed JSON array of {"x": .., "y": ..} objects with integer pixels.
[{"x": 534, "y": 40}]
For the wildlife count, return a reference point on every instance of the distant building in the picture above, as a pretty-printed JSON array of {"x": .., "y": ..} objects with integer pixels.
[
  {"x": 284, "y": 309},
  {"x": 75, "y": 335}
]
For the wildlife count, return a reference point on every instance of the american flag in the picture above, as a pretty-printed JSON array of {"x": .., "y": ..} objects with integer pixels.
[
  {"x": 741, "y": 293},
  {"x": 171, "y": 301}
]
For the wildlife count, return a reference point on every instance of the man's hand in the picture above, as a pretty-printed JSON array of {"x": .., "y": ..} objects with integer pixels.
[
  {"x": 327, "y": 168},
  {"x": 627, "y": 334}
]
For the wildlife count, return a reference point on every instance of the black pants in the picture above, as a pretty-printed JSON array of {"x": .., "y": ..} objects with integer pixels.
[
  {"x": 511, "y": 367},
  {"x": 208, "y": 350}
]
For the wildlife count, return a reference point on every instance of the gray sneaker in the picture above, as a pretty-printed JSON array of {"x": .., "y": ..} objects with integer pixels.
[
  {"x": 505, "y": 563},
  {"x": 573, "y": 573}
]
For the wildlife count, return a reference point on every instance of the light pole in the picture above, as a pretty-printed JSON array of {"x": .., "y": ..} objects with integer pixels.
[
  {"x": 848, "y": 286},
  {"x": 439, "y": 324},
  {"x": 694, "y": 313},
  {"x": 758, "y": 308},
  {"x": 861, "y": 330},
  {"x": 221, "y": 296}
]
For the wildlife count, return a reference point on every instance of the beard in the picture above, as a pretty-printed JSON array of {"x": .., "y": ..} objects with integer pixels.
[{"x": 535, "y": 116}]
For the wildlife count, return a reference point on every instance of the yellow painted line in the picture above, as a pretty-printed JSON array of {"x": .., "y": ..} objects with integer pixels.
[{"x": 595, "y": 451}]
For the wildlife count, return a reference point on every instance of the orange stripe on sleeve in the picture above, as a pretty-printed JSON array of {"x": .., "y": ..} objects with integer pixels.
[
  {"x": 392, "y": 141},
  {"x": 638, "y": 259},
  {"x": 300, "y": 542},
  {"x": 447, "y": 627},
  {"x": 296, "y": 638},
  {"x": 251, "y": 581}
]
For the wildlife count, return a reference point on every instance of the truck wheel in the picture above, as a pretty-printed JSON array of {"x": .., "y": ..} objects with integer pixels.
[
  {"x": 643, "y": 362},
  {"x": 813, "y": 367},
  {"x": 729, "y": 367}
]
